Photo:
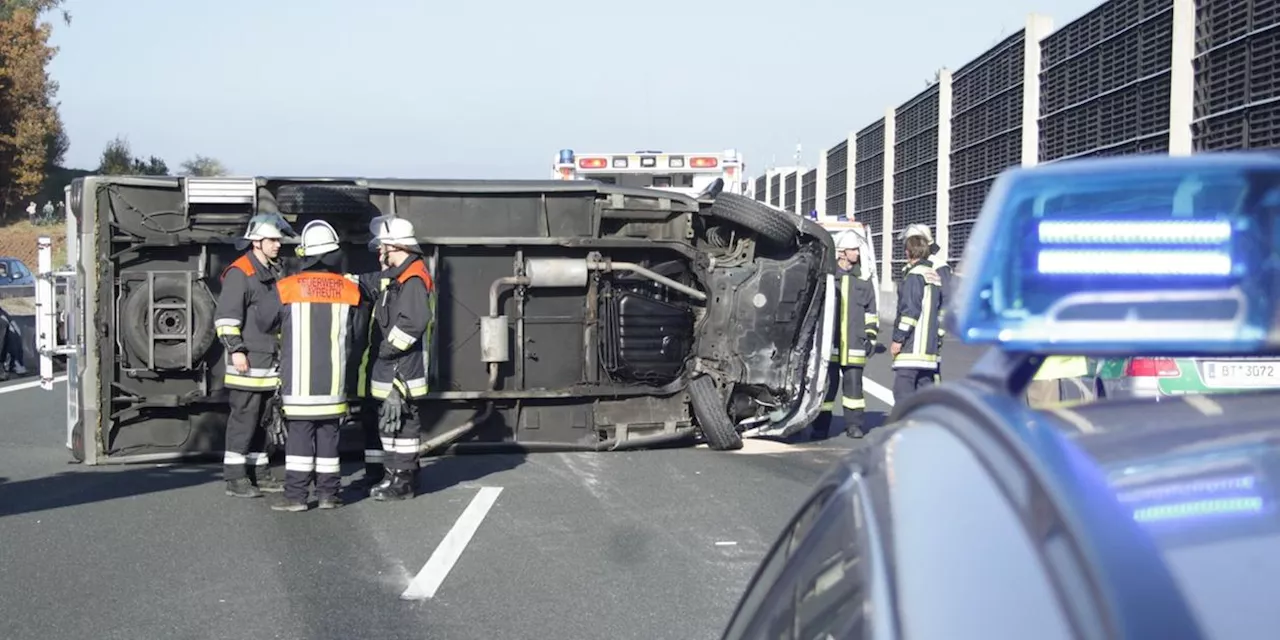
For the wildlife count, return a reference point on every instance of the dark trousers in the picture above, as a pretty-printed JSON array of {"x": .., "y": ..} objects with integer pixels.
[
  {"x": 908, "y": 381},
  {"x": 246, "y": 440},
  {"x": 311, "y": 447},
  {"x": 402, "y": 448},
  {"x": 844, "y": 388},
  {"x": 374, "y": 456}
]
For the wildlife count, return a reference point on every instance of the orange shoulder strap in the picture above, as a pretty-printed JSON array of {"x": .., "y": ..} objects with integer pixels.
[
  {"x": 242, "y": 263},
  {"x": 323, "y": 288},
  {"x": 417, "y": 270}
]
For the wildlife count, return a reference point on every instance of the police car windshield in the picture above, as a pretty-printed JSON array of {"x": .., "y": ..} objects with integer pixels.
[{"x": 1207, "y": 494}]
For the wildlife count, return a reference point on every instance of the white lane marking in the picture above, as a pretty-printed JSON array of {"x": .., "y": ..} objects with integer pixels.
[
  {"x": 28, "y": 385},
  {"x": 438, "y": 566},
  {"x": 881, "y": 393}
]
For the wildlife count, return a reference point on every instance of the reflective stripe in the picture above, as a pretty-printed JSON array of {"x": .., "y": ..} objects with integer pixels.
[
  {"x": 258, "y": 459},
  {"x": 231, "y": 457},
  {"x": 414, "y": 388},
  {"x": 400, "y": 445},
  {"x": 305, "y": 464},
  {"x": 870, "y": 318},
  {"x": 844, "y": 314},
  {"x": 312, "y": 400},
  {"x": 374, "y": 455},
  {"x": 317, "y": 411},
  {"x": 328, "y": 465},
  {"x": 250, "y": 382},
  {"x": 399, "y": 339},
  {"x": 853, "y": 403},
  {"x": 223, "y": 332},
  {"x": 827, "y": 407}
]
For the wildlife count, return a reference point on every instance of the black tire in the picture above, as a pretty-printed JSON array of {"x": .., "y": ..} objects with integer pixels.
[
  {"x": 169, "y": 354},
  {"x": 771, "y": 225},
  {"x": 713, "y": 420}
]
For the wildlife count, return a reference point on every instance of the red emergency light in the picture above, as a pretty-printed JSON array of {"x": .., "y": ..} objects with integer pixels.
[
  {"x": 592, "y": 163},
  {"x": 704, "y": 163}
]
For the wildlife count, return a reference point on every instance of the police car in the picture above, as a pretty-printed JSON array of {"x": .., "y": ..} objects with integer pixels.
[{"x": 971, "y": 515}]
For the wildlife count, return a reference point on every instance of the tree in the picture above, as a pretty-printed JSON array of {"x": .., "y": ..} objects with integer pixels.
[
  {"x": 152, "y": 167},
  {"x": 117, "y": 158},
  {"x": 29, "y": 125},
  {"x": 204, "y": 166}
]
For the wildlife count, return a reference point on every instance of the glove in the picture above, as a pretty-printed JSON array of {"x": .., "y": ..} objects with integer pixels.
[
  {"x": 273, "y": 419},
  {"x": 391, "y": 412},
  {"x": 869, "y": 347}
]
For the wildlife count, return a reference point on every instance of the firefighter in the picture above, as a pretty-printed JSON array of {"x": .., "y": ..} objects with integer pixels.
[
  {"x": 404, "y": 316},
  {"x": 915, "y": 334},
  {"x": 855, "y": 338},
  {"x": 366, "y": 335},
  {"x": 938, "y": 260},
  {"x": 1058, "y": 377},
  {"x": 246, "y": 319},
  {"x": 317, "y": 310}
]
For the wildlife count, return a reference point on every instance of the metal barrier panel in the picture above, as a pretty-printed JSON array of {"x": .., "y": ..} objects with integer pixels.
[
  {"x": 868, "y": 172},
  {"x": 1237, "y": 82},
  {"x": 915, "y": 168},
  {"x": 986, "y": 130},
  {"x": 837, "y": 179},
  {"x": 1105, "y": 82}
]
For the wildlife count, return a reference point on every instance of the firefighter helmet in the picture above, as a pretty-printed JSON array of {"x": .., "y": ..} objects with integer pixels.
[
  {"x": 268, "y": 225},
  {"x": 318, "y": 238},
  {"x": 393, "y": 231},
  {"x": 917, "y": 229}
]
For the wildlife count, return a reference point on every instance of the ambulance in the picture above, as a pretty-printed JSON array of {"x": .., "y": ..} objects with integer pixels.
[{"x": 687, "y": 173}]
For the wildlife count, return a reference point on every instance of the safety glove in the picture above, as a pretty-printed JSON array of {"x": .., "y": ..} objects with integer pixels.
[{"x": 391, "y": 413}]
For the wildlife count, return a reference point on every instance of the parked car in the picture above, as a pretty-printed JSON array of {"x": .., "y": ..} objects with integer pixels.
[{"x": 13, "y": 272}]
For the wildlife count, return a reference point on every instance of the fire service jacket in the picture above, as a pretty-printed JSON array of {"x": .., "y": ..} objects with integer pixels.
[
  {"x": 400, "y": 340},
  {"x": 856, "y": 302},
  {"x": 316, "y": 317},
  {"x": 919, "y": 308},
  {"x": 246, "y": 319}
]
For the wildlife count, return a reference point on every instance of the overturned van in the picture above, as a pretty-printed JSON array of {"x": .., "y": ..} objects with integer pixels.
[{"x": 570, "y": 315}]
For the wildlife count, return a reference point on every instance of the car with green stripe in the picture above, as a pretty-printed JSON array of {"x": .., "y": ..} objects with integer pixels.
[{"x": 1156, "y": 377}]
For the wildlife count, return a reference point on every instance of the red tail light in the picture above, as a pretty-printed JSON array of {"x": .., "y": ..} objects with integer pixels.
[
  {"x": 704, "y": 163},
  {"x": 1152, "y": 368},
  {"x": 593, "y": 163}
]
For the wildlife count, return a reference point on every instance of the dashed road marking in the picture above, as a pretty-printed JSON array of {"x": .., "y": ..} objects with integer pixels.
[
  {"x": 438, "y": 566},
  {"x": 878, "y": 391}
]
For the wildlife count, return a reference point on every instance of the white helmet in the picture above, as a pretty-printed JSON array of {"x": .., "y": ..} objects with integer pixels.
[
  {"x": 850, "y": 239},
  {"x": 267, "y": 225},
  {"x": 393, "y": 231},
  {"x": 921, "y": 230},
  {"x": 318, "y": 238}
]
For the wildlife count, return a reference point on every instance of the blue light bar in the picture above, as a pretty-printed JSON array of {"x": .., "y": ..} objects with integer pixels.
[{"x": 1142, "y": 255}]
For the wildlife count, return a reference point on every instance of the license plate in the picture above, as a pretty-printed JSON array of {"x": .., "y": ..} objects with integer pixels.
[{"x": 1242, "y": 374}]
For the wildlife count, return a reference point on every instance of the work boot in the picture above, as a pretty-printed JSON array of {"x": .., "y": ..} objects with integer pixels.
[
  {"x": 374, "y": 475},
  {"x": 286, "y": 504},
  {"x": 399, "y": 485},
  {"x": 266, "y": 482},
  {"x": 330, "y": 502},
  {"x": 242, "y": 488}
]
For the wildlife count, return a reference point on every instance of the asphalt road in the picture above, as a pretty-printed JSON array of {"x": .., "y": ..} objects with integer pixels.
[{"x": 650, "y": 544}]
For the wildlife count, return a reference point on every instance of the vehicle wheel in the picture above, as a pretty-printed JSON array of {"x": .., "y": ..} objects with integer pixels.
[
  {"x": 770, "y": 224},
  {"x": 323, "y": 199},
  {"x": 713, "y": 420},
  {"x": 170, "y": 354},
  {"x": 77, "y": 442}
]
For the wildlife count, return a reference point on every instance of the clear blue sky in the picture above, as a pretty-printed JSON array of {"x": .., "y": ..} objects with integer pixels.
[{"x": 492, "y": 88}]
